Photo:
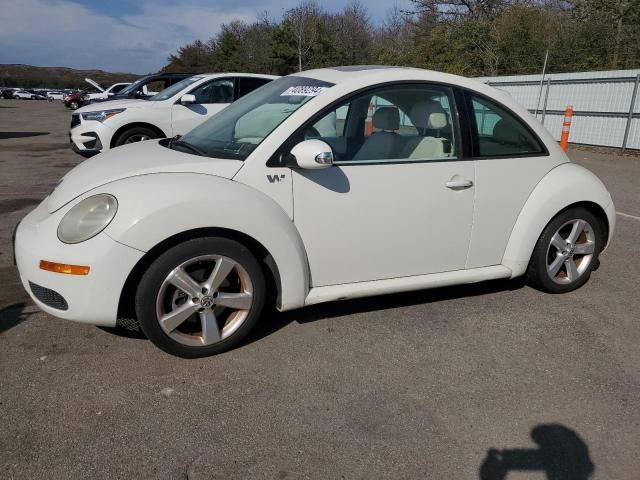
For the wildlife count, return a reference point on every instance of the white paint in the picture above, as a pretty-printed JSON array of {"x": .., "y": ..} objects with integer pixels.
[
  {"x": 348, "y": 230},
  {"x": 395, "y": 285}
]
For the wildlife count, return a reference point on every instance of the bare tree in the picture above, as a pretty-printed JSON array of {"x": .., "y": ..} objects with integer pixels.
[
  {"x": 304, "y": 24},
  {"x": 354, "y": 33},
  {"x": 457, "y": 9}
]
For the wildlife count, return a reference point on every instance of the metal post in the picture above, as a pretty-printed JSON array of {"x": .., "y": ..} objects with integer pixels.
[
  {"x": 630, "y": 116},
  {"x": 546, "y": 98},
  {"x": 544, "y": 69}
]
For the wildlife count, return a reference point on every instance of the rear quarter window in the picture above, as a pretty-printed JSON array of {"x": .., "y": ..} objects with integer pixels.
[{"x": 498, "y": 132}]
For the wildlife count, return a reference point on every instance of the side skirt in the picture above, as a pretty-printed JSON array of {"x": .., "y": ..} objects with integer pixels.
[{"x": 394, "y": 285}]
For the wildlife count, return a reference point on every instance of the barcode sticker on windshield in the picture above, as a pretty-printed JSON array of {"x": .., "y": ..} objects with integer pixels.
[{"x": 302, "y": 91}]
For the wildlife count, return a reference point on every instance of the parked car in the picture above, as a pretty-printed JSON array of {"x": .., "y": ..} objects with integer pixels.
[
  {"x": 453, "y": 182},
  {"x": 75, "y": 100},
  {"x": 146, "y": 87},
  {"x": 55, "y": 95},
  {"x": 28, "y": 95},
  {"x": 7, "y": 93},
  {"x": 105, "y": 94},
  {"x": 174, "y": 111}
]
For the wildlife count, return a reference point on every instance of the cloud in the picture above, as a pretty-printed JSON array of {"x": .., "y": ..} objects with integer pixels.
[
  {"x": 68, "y": 33},
  {"x": 63, "y": 33}
]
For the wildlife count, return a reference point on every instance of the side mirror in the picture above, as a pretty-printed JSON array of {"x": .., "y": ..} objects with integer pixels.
[
  {"x": 187, "y": 99},
  {"x": 312, "y": 155}
]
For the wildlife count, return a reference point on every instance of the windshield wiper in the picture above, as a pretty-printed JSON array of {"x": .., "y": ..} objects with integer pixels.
[{"x": 181, "y": 143}]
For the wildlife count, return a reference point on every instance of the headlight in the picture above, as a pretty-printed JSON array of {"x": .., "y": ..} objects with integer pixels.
[
  {"x": 102, "y": 115},
  {"x": 88, "y": 218}
]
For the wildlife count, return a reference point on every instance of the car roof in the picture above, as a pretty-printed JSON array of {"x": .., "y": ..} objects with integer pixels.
[
  {"x": 362, "y": 76},
  {"x": 372, "y": 74},
  {"x": 235, "y": 74}
]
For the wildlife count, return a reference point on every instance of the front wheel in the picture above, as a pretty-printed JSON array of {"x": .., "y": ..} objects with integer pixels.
[
  {"x": 136, "y": 134},
  {"x": 74, "y": 105},
  {"x": 567, "y": 252},
  {"x": 201, "y": 297}
]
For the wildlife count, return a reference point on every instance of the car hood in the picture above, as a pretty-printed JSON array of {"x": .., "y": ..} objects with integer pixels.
[
  {"x": 109, "y": 104},
  {"x": 143, "y": 158},
  {"x": 94, "y": 83}
]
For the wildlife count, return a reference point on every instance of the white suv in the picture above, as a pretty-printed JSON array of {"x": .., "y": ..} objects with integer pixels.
[{"x": 173, "y": 111}]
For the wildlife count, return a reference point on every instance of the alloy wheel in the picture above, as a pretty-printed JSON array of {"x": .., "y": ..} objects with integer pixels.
[
  {"x": 137, "y": 138},
  {"x": 570, "y": 251},
  {"x": 204, "y": 300}
]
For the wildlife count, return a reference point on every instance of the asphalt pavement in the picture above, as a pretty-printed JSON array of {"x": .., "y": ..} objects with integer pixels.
[{"x": 487, "y": 381}]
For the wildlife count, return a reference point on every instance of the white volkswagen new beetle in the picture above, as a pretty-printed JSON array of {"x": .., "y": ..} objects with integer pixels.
[{"x": 324, "y": 185}]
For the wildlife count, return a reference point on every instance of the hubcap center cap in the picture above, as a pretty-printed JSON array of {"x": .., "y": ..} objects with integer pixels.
[{"x": 207, "y": 301}]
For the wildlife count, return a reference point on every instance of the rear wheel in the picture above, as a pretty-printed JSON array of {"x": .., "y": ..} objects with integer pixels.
[
  {"x": 567, "y": 252},
  {"x": 201, "y": 297},
  {"x": 136, "y": 134}
]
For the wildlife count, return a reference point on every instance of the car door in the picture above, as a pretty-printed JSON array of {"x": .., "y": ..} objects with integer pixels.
[
  {"x": 211, "y": 97},
  {"x": 399, "y": 199},
  {"x": 510, "y": 161}
]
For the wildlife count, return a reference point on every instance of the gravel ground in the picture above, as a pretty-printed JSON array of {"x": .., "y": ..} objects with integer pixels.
[{"x": 457, "y": 383}]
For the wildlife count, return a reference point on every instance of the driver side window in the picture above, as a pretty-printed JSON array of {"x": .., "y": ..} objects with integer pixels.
[
  {"x": 216, "y": 91},
  {"x": 389, "y": 124}
]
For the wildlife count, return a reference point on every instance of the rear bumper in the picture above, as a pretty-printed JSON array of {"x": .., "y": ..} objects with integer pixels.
[{"x": 92, "y": 298}]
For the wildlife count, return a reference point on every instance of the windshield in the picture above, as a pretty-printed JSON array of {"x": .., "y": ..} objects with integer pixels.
[
  {"x": 133, "y": 86},
  {"x": 175, "y": 88},
  {"x": 238, "y": 129}
]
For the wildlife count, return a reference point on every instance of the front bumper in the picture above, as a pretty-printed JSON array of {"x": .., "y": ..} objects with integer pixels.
[
  {"x": 90, "y": 138},
  {"x": 610, "y": 211},
  {"x": 93, "y": 298}
]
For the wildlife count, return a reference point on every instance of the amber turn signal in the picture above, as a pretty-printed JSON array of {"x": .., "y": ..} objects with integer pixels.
[{"x": 64, "y": 268}]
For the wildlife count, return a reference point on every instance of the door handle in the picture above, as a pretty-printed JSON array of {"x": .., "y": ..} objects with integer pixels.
[{"x": 458, "y": 183}]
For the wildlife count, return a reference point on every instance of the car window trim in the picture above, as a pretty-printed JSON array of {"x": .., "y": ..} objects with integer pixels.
[
  {"x": 472, "y": 128},
  {"x": 276, "y": 161}
]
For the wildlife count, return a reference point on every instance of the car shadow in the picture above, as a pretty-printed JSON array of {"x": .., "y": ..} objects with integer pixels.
[
  {"x": 561, "y": 455},
  {"x": 12, "y": 315},
  {"x": 273, "y": 320},
  {"x": 7, "y": 135},
  {"x": 127, "y": 328}
]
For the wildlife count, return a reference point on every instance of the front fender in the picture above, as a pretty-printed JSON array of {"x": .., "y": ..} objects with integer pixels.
[
  {"x": 152, "y": 208},
  {"x": 563, "y": 186}
]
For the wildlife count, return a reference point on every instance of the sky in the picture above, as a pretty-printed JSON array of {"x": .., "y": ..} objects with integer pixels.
[{"x": 135, "y": 36}]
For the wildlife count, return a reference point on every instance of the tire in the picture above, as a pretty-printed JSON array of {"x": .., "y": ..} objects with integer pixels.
[
  {"x": 550, "y": 267},
  {"x": 209, "y": 324},
  {"x": 74, "y": 105},
  {"x": 136, "y": 134}
]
